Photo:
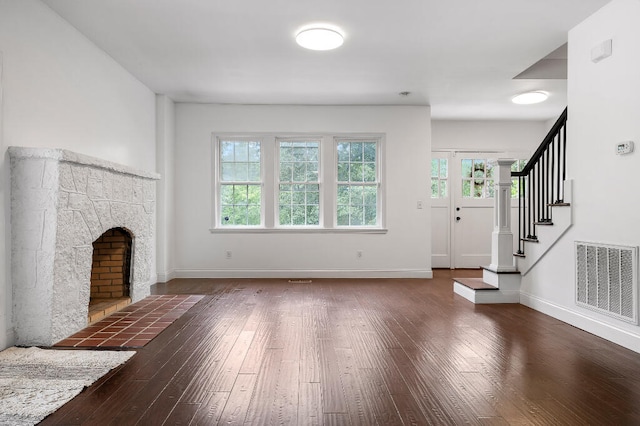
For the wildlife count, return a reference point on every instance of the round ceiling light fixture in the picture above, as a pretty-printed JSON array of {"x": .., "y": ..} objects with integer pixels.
[
  {"x": 529, "y": 98},
  {"x": 320, "y": 37}
]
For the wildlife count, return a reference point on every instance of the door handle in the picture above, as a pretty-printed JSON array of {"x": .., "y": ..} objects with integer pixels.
[{"x": 458, "y": 218}]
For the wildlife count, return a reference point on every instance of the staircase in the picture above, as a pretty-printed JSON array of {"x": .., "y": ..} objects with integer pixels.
[{"x": 544, "y": 216}]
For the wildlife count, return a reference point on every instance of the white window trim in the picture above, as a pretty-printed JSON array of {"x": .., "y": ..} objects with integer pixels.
[
  {"x": 217, "y": 180},
  {"x": 381, "y": 177},
  {"x": 306, "y": 138},
  {"x": 269, "y": 160}
]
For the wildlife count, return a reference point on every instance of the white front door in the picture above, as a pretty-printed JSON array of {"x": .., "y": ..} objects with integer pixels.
[
  {"x": 462, "y": 207},
  {"x": 472, "y": 208}
]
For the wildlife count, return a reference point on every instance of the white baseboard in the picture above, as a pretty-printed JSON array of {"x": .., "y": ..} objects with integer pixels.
[
  {"x": 164, "y": 277},
  {"x": 288, "y": 273},
  {"x": 607, "y": 331}
]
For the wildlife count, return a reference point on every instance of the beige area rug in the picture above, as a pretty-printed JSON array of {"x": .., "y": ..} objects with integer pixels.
[{"x": 35, "y": 382}]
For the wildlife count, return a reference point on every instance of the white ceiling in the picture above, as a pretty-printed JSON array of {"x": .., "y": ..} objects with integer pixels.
[{"x": 459, "y": 56}]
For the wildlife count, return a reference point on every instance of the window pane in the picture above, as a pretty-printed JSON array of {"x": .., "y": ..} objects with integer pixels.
[
  {"x": 370, "y": 215},
  {"x": 355, "y": 174},
  {"x": 434, "y": 188},
  {"x": 253, "y": 215},
  {"x": 286, "y": 153},
  {"x": 343, "y": 215},
  {"x": 343, "y": 151},
  {"x": 312, "y": 172},
  {"x": 356, "y": 215},
  {"x": 370, "y": 195},
  {"x": 254, "y": 152},
  {"x": 228, "y": 170},
  {"x": 313, "y": 198},
  {"x": 285, "y": 196},
  {"x": 254, "y": 194},
  {"x": 466, "y": 168},
  {"x": 313, "y": 215},
  {"x": 369, "y": 172},
  {"x": 356, "y": 151},
  {"x": 370, "y": 152},
  {"x": 478, "y": 168},
  {"x": 285, "y": 215},
  {"x": 478, "y": 188},
  {"x": 443, "y": 188},
  {"x": 299, "y": 172},
  {"x": 343, "y": 194},
  {"x": 240, "y": 204},
  {"x": 435, "y": 167},
  {"x": 343, "y": 172},
  {"x": 254, "y": 172},
  {"x": 466, "y": 188},
  {"x": 239, "y": 215},
  {"x": 489, "y": 170},
  {"x": 357, "y": 193},
  {"x": 298, "y": 215},
  {"x": 444, "y": 168},
  {"x": 286, "y": 172},
  {"x": 226, "y": 151},
  {"x": 297, "y": 197}
]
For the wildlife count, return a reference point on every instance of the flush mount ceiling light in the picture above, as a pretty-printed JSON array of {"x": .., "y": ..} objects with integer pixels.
[
  {"x": 530, "y": 98},
  {"x": 320, "y": 37}
]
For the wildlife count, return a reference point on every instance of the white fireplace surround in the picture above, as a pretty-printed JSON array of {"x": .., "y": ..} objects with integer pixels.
[{"x": 61, "y": 202}]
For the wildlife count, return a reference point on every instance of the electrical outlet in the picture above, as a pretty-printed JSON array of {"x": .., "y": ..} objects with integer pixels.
[
  {"x": 359, "y": 254},
  {"x": 228, "y": 254}
]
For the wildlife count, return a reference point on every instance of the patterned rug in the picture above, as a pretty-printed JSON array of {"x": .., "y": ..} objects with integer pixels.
[{"x": 36, "y": 382}]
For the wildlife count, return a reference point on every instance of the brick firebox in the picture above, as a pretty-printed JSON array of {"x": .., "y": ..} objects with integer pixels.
[{"x": 111, "y": 266}]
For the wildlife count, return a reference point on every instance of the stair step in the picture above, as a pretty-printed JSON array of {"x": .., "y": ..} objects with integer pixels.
[
  {"x": 530, "y": 240},
  {"x": 559, "y": 204},
  {"x": 475, "y": 283},
  {"x": 519, "y": 255},
  {"x": 545, "y": 223}
]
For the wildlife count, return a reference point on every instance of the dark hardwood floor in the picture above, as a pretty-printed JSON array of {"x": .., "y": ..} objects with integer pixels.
[{"x": 361, "y": 352}]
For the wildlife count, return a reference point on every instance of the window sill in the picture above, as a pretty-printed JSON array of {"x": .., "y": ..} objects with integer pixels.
[{"x": 298, "y": 230}]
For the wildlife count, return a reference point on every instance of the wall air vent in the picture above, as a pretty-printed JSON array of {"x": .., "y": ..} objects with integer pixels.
[{"x": 606, "y": 279}]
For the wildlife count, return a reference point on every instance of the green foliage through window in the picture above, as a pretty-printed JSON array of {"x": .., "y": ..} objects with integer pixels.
[
  {"x": 357, "y": 189},
  {"x": 299, "y": 189},
  {"x": 240, "y": 183},
  {"x": 439, "y": 177}
]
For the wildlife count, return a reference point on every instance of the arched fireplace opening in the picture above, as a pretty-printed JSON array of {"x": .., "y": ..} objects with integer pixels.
[{"x": 110, "y": 273}]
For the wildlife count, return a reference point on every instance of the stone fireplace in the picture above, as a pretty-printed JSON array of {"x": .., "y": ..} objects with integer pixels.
[{"x": 61, "y": 203}]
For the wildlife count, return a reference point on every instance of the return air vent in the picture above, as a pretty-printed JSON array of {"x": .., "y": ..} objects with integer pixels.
[{"x": 606, "y": 279}]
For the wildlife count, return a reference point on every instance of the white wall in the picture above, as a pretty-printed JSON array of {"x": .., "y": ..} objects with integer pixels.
[
  {"x": 165, "y": 149},
  {"x": 523, "y": 136},
  {"x": 603, "y": 110},
  {"x": 403, "y": 251},
  {"x": 61, "y": 91}
]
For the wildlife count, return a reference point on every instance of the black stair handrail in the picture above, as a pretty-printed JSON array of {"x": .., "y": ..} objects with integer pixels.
[{"x": 541, "y": 182}]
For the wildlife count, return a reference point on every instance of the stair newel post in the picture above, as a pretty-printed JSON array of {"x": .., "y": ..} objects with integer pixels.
[{"x": 502, "y": 237}]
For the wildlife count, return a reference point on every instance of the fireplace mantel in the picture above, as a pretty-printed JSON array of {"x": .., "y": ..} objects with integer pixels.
[{"x": 61, "y": 201}]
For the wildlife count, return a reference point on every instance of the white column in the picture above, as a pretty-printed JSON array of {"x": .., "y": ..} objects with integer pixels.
[{"x": 502, "y": 237}]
